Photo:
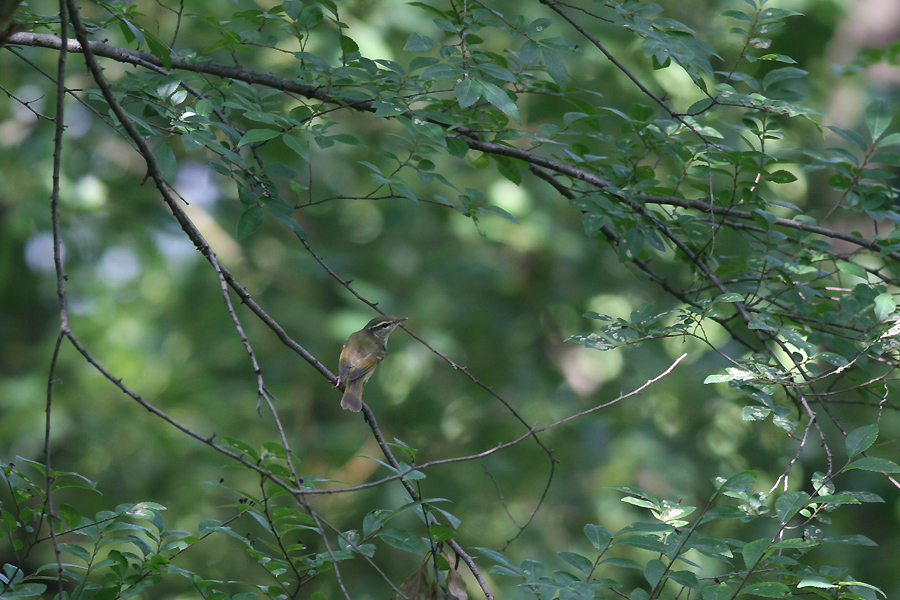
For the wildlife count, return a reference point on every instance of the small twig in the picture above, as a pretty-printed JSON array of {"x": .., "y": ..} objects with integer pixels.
[
  {"x": 502, "y": 498},
  {"x": 400, "y": 474},
  {"x": 60, "y": 292},
  {"x": 386, "y": 450},
  {"x": 631, "y": 76}
]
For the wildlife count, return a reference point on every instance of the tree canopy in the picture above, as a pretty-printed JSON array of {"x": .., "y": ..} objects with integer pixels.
[{"x": 648, "y": 253}]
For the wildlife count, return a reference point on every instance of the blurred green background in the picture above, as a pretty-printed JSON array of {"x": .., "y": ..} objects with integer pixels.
[{"x": 498, "y": 298}]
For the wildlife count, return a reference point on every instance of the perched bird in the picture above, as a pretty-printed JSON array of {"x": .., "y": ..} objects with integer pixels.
[{"x": 360, "y": 355}]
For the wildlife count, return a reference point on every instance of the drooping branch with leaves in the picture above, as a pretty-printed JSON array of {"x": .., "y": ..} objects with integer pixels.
[{"x": 767, "y": 235}]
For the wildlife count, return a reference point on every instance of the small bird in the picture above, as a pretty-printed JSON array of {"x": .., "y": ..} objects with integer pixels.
[{"x": 360, "y": 355}]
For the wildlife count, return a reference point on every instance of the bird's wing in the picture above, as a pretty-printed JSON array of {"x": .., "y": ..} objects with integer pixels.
[
  {"x": 344, "y": 364},
  {"x": 360, "y": 364}
]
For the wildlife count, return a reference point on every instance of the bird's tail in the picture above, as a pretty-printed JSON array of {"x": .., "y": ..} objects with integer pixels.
[{"x": 352, "y": 399}]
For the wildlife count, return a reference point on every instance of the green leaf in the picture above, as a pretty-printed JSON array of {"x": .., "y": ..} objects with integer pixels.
[
  {"x": 598, "y": 535},
  {"x": 110, "y": 593},
  {"x": 760, "y": 393},
  {"x": 639, "y": 594},
  {"x": 249, "y": 221},
  {"x": 767, "y": 589},
  {"x": 816, "y": 582},
  {"x": 795, "y": 338},
  {"x": 429, "y": 8},
  {"x": 769, "y": 217},
  {"x": 283, "y": 211},
  {"x": 68, "y": 483},
  {"x": 578, "y": 561},
  {"x": 790, "y": 504},
  {"x": 497, "y": 72},
  {"x": 258, "y": 135},
  {"x": 729, "y": 297},
  {"x": 755, "y": 413},
  {"x": 852, "y": 540},
  {"x": 868, "y": 586},
  {"x": 9, "y": 521},
  {"x": 864, "y": 496},
  {"x": 753, "y": 552},
  {"x": 641, "y": 541},
  {"x": 736, "y": 14},
  {"x": 775, "y": 13},
  {"x": 685, "y": 578},
  {"x": 70, "y": 514},
  {"x": 556, "y": 68},
  {"x": 640, "y": 502},
  {"x": 158, "y": 49},
  {"x": 374, "y": 520},
  {"x": 529, "y": 52},
  {"x": 539, "y": 25},
  {"x": 501, "y": 559},
  {"x": 346, "y": 138},
  {"x": 240, "y": 446},
  {"x": 878, "y": 118},
  {"x": 710, "y": 547},
  {"x": 348, "y": 46},
  {"x": 892, "y": 139},
  {"x": 301, "y": 147},
  {"x": 441, "y": 533},
  {"x": 478, "y": 162},
  {"x": 131, "y": 31},
  {"x": 740, "y": 482},
  {"x": 723, "y": 512},
  {"x": 457, "y": 147},
  {"x": 781, "y": 74},
  {"x": 310, "y": 16},
  {"x": 734, "y": 374},
  {"x": 795, "y": 543},
  {"x": 653, "y": 571},
  {"x": 636, "y": 491},
  {"x": 835, "y": 499},
  {"x": 442, "y": 71},
  {"x": 852, "y": 269},
  {"x": 622, "y": 563},
  {"x": 850, "y": 136},
  {"x": 835, "y": 359},
  {"x": 884, "y": 306},
  {"x": 499, "y": 211},
  {"x": 509, "y": 168},
  {"x": 77, "y": 551},
  {"x": 781, "y": 176},
  {"x": 467, "y": 91},
  {"x": 782, "y": 418},
  {"x": 501, "y": 100},
  {"x": 165, "y": 161},
  {"x": 716, "y": 592},
  {"x": 861, "y": 439},
  {"x": 401, "y": 539},
  {"x": 878, "y": 465}
]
